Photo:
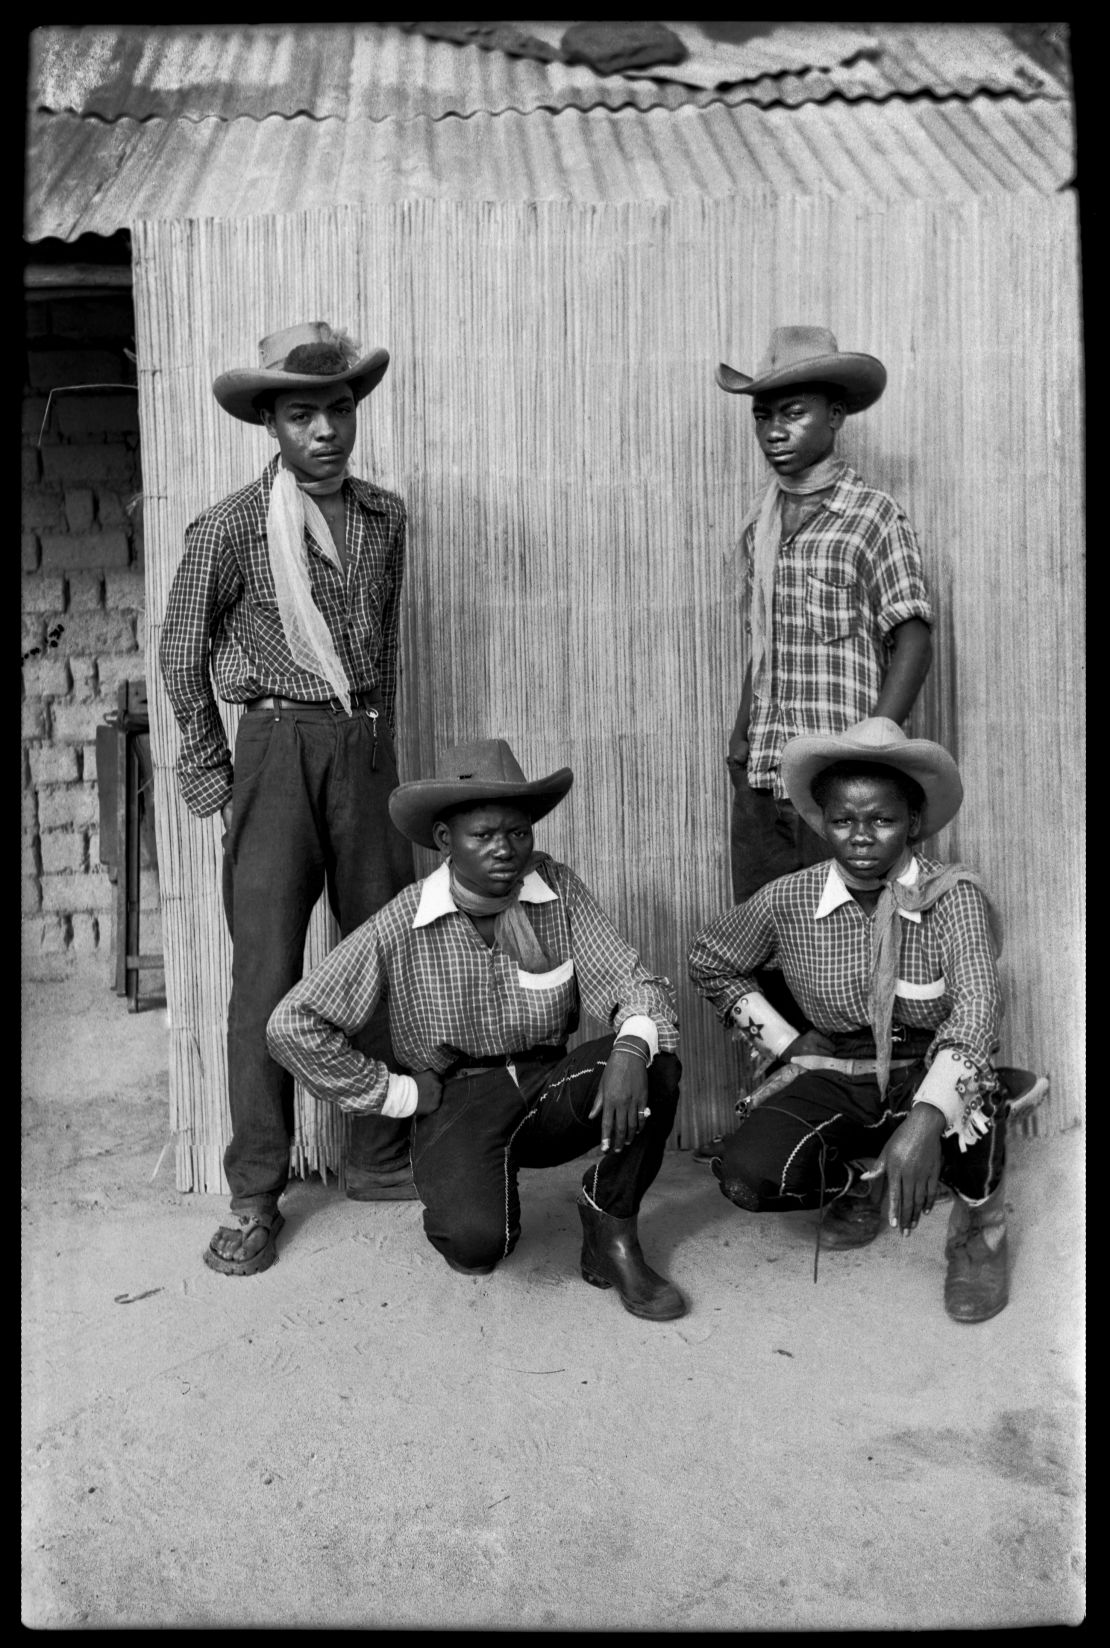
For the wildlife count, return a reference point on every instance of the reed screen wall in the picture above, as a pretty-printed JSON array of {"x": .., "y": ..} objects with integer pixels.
[{"x": 575, "y": 481}]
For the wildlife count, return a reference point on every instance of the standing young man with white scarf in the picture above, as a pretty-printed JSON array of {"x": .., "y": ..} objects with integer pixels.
[
  {"x": 838, "y": 616},
  {"x": 286, "y": 601}
]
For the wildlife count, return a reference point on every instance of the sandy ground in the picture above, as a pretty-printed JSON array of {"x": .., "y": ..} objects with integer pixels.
[{"x": 361, "y": 1437}]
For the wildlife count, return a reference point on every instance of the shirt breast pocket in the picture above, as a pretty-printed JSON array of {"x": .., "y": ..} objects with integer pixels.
[
  {"x": 832, "y": 610},
  {"x": 546, "y": 1001},
  {"x": 258, "y": 578}
]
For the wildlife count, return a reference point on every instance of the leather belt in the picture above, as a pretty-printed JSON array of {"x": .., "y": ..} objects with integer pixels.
[
  {"x": 368, "y": 700},
  {"x": 500, "y": 1061},
  {"x": 847, "y": 1067}
]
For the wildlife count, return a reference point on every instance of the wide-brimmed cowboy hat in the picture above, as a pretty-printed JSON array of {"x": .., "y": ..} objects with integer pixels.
[
  {"x": 483, "y": 771},
  {"x": 884, "y": 743},
  {"x": 809, "y": 354},
  {"x": 309, "y": 356}
]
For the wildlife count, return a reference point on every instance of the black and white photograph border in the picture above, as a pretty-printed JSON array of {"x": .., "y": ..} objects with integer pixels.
[{"x": 561, "y": 233}]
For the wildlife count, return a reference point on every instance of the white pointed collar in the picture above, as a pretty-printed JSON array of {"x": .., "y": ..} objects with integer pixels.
[
  {"x": 436, "y": 900},
  {"x": 836, "y": 892}
]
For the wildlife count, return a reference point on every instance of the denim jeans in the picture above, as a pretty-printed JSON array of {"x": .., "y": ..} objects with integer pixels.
[
  {"x": 466, "y": 1154},
  {"x": 309, "y": 811}
]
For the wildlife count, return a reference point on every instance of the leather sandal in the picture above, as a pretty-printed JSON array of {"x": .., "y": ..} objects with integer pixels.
[{"x": 243, "y": 1224}]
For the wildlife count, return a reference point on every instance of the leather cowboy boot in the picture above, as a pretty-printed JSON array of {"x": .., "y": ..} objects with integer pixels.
[
  {"x": 855, "y": 1217},
  {"x": 851, "y": 1221},
  {"x": 611, "y": 1257},
  {"x": 977, "y": 1285},
  {"x": 391, "y": 1185}
]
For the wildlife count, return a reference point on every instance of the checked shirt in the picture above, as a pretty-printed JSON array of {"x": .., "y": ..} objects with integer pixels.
[
  {"x": 947, "y": 976},
  {"x": 452, "y": 997},
  {"x": 223, "y": 612},
  {"x": 843, "y": 582}
]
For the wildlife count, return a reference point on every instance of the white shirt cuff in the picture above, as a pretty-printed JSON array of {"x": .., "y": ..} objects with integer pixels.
[
  {"x": 951, "y": 1085},
  {"x": 762, "y": 1026},
  {"x": 640, "y": 1025},
  {"x": 401, "y": 1098}
]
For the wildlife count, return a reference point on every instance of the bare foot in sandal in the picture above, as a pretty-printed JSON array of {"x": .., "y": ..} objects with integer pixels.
[{"x": 246, "y": 1244}]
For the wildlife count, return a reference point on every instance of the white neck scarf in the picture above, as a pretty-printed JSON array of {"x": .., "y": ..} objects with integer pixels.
[
  {"x": 767, "y": 518},
  {"x": 306, "y": 632}
]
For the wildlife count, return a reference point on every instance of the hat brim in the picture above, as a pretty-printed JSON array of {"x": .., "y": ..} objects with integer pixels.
[
  {"x": 414, "y": 807},
  {"x": 919, "y": 758},
  {"x": 236, "y": 391},
  {"x": 861, "y": 377}
]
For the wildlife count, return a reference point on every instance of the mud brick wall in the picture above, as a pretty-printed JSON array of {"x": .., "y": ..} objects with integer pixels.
[{"x": 83, "y": 617}]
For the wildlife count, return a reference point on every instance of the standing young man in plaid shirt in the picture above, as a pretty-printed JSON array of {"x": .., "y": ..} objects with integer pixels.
[
  {"x": 486, "y": 965},
  {"x": 286, "y": 599},
  {"x": 838, "y": 614}
]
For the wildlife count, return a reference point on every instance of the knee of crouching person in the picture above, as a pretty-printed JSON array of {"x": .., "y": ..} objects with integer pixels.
[
  {"x": 664, "y": 1075},
  {"x": 739, "y": 1180},
  {"x": 477, "y": 1242}
]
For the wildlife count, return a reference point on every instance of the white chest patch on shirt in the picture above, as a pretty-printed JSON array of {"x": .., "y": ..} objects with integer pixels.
[
  {"x": 545, "y": 981},
  {"x": 920, "y": 992}
]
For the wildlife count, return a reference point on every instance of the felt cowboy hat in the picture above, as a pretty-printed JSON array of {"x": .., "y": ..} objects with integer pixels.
[
  {"x": 809, "y": 354},
  {"x": 483, "y": 771},
  {"x": 309, "y": 356},
  {"x": 884, "y": 743}
]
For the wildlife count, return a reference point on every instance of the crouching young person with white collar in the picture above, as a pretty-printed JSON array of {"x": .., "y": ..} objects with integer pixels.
[
  {"x": 892, "y": 957},
  {"x": 485, "y": 966}
]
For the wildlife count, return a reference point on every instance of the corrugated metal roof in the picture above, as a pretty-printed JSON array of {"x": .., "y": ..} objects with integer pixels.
[
  {"x": 945, "y": 59},
  {"x": 378, "y": 71},
  {"x": 87, "y": 176}
]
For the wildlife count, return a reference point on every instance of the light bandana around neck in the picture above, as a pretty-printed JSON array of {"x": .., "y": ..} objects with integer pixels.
[
  {"x": 511, "y": 930},
  {"x": 307, "y": 635},
  {"x": 767, "y": 518},
  {"x": 886, "y": 941}
]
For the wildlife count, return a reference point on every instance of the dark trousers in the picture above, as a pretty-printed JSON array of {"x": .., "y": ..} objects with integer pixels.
[
  {"x": 466, "y": 1154},
  {"x": 309, "y": 811},
  {"x": 768, "y": 839},
  {"x": 793, "y": 1152}
]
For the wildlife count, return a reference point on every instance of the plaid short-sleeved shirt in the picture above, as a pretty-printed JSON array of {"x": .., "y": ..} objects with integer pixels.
[
  {"x": 843, "y": 582},
  {"x": 820, "y": 936},
  {"x": 222, "y": 616},
  {"x": 451, "y": 996}
]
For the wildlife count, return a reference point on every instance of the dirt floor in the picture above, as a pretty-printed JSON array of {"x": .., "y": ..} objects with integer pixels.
[{"x": 361, "y": 1437}]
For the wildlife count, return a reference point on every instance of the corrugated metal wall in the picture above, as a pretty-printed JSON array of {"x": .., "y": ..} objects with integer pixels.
[{"x": 575, "y": 482}]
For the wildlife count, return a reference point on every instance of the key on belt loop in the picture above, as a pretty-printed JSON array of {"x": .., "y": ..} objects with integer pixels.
[{"x": 373, "y": 716}]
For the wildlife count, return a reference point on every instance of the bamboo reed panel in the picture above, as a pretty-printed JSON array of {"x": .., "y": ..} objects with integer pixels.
[{"x": 575, "y": 482}]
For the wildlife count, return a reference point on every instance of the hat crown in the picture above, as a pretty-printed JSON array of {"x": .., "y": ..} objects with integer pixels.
[
  {"x": 486, "y": 758},
  {"x": 876, "y": 733},
  {"x": 791, "y": 345},
  {"x": 274, "y": 350}
]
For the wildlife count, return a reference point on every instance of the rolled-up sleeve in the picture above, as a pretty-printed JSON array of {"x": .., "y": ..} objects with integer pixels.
[
  {"x": 897, "y": 590},
  {"x": 310, "y": 1029}
]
